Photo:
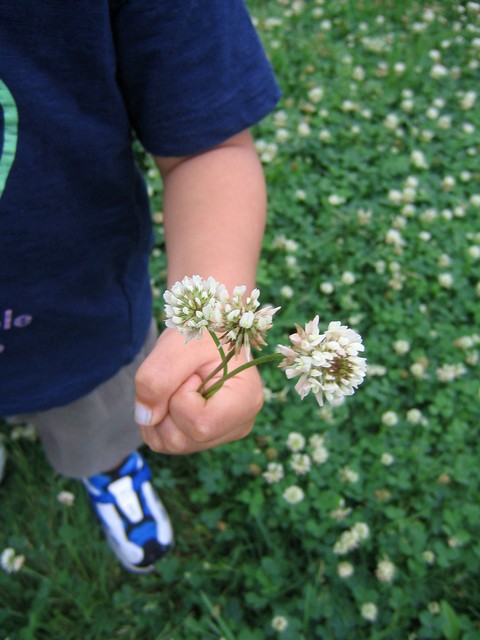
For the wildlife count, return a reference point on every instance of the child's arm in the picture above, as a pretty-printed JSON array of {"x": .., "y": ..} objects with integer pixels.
[{"x": 214, "y": 216}]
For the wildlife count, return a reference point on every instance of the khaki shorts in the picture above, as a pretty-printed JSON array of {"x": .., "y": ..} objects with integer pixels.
[{"x": 97, "y": 432}]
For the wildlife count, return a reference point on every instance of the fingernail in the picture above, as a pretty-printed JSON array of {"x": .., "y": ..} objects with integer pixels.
[{"x": 143, "y": 415}]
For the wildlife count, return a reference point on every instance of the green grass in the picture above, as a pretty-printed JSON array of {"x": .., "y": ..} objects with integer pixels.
[{"x": 243, "y": 554}]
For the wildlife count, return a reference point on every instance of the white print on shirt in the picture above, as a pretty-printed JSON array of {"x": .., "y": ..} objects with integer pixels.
[
  {"x": 8, "y": 138},
  {"x": 9, "y": 321}
]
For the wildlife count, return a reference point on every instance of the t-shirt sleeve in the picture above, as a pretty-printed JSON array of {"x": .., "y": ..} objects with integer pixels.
[{"x": 193, "y": 72}]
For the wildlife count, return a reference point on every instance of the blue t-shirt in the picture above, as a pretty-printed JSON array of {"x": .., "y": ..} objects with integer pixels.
[{"x": 75, "y": 230}]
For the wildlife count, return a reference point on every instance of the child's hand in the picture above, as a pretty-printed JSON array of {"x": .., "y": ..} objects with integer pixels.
[{"x": 174, "y": 418}]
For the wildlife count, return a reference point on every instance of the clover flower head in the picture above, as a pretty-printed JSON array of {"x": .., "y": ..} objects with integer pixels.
[
  {"x": 293, "y": 494},
  {"x": 241, "y": 323},
  {"x": 385, "y": 570},
  {"x": 369, "y": 611},
  {"x": 192, "y": 305},
  {"x": 328, "y": 363},
  {"x": 274, "y": 473},
  {"x": 279, "y": 623},
  {"x": 10, "y": 562}
]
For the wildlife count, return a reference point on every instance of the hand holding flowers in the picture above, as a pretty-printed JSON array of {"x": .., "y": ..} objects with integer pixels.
[{"x": 328, "y": 363}]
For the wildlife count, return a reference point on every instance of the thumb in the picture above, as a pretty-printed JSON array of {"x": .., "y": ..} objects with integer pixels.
[{"x": 158, "y": 377}]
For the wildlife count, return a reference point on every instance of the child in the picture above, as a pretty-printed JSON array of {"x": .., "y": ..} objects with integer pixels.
[{"x": 78, "y": 347}]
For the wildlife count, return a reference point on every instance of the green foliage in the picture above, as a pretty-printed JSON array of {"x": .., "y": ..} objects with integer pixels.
[{"x": 347, "y": 198}]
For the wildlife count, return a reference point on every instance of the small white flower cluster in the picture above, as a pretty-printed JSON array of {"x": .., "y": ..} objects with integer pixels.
[
  {"x": 328, "y": 363},
  {"x": 300, "y": 462},
  {"x": 274, "y": 472},
  {"x": 10, "y": 561},
  {"x": 450, "y": 372},
  {"x": 351, "y": 539},
  {"x": 67, "y": 498},
  {"x": 279, "y": 623},
  {"x": 195, "y": 304},
  {"x": 385, "y": 570},
  {"x": 369, "y": 611},
  {"x": 293, "y": 494}
]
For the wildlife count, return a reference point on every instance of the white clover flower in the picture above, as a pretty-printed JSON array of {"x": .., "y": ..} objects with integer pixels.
[
  {"x": 282, "y": 135},
  {"x": 300, "y": 463},
  {"x": 376, "y": 370},
  {"x": 293, "y": 494},
  {"x": 327, "y": 288},
  {"x": 192, "y": 305},
  {"x": 358, "y": 73},
  {"x": 24, "y": 432},
  {"x": 349, "y": 475},
  {"x": 10, "y": 561},
  {"x": 444, "y": 260},
  {"x": 450, "y": 372},
  {"x": 274, "y": 473},
  {"x": 364, "y": 216},
  {"x": 474, "y": 252},
  {"x": 341, "y": 512},
  {"x": 390, "y": 418},
  {"x": 345, "y": 569},
  {"x": 328, "y": 364},
  {"x": 418, "y": 370},
  {"x": 475, "y": 200},
  {"x": 448, "y": 183},
  {"x": 295, "y": 441},
  {"x": 336, "y": 200},
  {"x": 280, "y": 118},
  {"x": 401, "y": 347},
  {"x": 348, "y": 278},
  {"x": 395, "y": 196},
  {"x": 347, "y": 542},
  {"x": 316, "y": 440},
  {"x": 418, "y": 159},
  {"x": 434, "y": 608},
  {"x": 387, "y": 459},
  {"x": 444, "y": 122},
  {"x": 438, "y": 71},
  {"x": 426, "y": 135},
  {"x": 380, "y": 267},
  {"x": 414, "y": 416},
  {"x": 385, "y": 570},
  {"x": 241, "y": 323},
  {"x": 316, "y": 94},
  {"x": 445, "y": 280},
  {"x": 369, "y": 611},
  {"x": 428, "y": 556},
  {"x": 66, "y": 497},
  {"x": 287, "y": 291},
  {"x": 279, "y": 623},
  {"x": 304, "y": 130},
  {"x": 468, "y": 100},
  {"x": 361, "y": 530},
  {"x": 324, "y": 135},
  {"x": 320, "y": 454},
  {"x": 394, "y": 237}
]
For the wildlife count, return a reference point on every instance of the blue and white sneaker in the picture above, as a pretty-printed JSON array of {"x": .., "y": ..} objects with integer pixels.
[{"x": 135, "y": 522}]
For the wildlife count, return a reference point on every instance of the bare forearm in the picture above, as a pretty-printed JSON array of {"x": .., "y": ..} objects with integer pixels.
[{"x": 214, "y": 211}]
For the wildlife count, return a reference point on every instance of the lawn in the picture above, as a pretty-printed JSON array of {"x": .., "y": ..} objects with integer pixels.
[{"x": 358, "y": 520}]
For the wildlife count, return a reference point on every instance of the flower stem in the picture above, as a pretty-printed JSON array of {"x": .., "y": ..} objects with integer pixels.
[
  {"x": 252, "y": 363},
  {"x": 222, "y": 365}
]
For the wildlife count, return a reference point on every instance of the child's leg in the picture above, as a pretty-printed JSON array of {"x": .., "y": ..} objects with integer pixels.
[
  {"x": 95, "y": 439},
  {"x": 97, "y": 432}
]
